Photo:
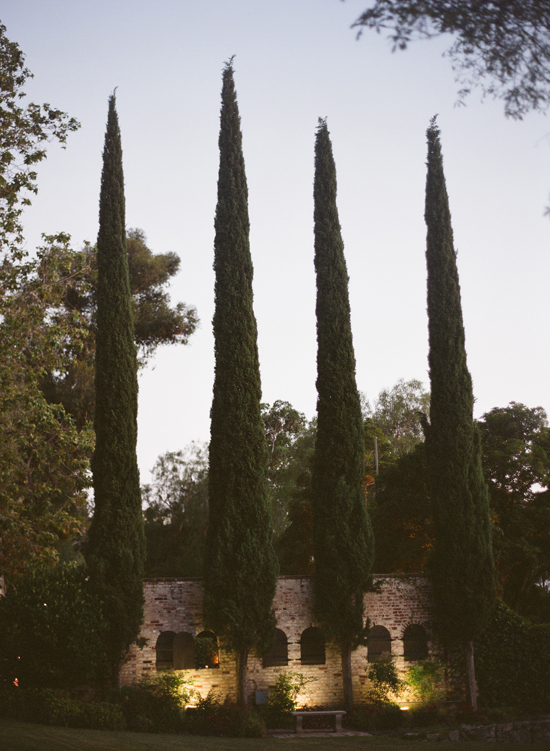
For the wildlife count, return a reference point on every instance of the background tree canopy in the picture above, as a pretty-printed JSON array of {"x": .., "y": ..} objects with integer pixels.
[
  {"x": 503, "y": 46},
  {"x": 156, "y": 321}
]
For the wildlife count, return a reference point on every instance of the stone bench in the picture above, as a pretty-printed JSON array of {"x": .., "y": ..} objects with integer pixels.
[{"x": 336, "y": 713}]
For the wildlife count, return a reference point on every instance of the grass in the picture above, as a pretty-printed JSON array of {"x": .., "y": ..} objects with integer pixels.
[{"x": 19, "y": 736}]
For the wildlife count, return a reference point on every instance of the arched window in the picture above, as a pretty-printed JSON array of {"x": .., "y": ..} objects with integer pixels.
[
  {"x": 278, "y": 654},
  {"x": 379, "y": 644},
  {"x": 206, "y": 651},
  {"x": 415, "y": 643},
  {"x": 164, "y": 650},
  {"x": 184, "y": 651},
  {"x": 312, "y": 647}
]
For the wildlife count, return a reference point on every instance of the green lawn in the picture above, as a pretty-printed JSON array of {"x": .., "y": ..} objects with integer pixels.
[{"x": 19, "y": 736}]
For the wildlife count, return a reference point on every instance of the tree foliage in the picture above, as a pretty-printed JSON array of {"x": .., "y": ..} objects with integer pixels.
[
  {"x": 24, "y": 133},
  {"x": 516, "y": 459},
  {"x": 283, "y": 426},
  {"x": 53, "y": 630},
  {"x": 342, "y": 537},
  {"x": 503, "y": 46},
  {"x": 156, "y": 322},
  {"x": 398, "y": 414},
  {"x": 241, "y": 568},
  {"x": 176, "y": 513},
  {"x": 44, "y": 462},
  {"x": 461, "y": 561},
  {"x": 116, "y": 546}
]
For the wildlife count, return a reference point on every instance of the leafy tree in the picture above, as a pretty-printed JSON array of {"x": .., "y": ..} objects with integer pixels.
[
  {"x": 53, "y": 632},
  {"x": 24, "y": 132},
  {"x": 44, "y": 462},
  {"x": 398, "y": 414},
  {"x": 43, "y": 468},
  {"x": 401, "y": 515},
  {"x": 176, "y": 513},
  {"x": 342, "y": 537},
  {"x": 502, "y": 45},
  {"x": 155, "y": 321},
  {"x": 283, "y": 426},
  {"x": 516, "y": 458},
  {"x": 241, "y": 567},
  {"x": 295, "y": 543},
  {"x": 116, "y": 546},
  {"x": 461, "y": 562}
]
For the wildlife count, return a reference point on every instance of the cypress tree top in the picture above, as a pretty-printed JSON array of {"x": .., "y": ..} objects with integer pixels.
[
  {"x": 241, "y": 568},
  {"x": 342, "y": 534},
  {"x": 461, "y": 563}
]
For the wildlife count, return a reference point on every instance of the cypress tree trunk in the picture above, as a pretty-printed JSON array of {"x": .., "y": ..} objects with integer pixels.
[
  {"x": 116, "y": 546},
  {"x": 343, "y": 545},
  {"x": 240, "y": 563},
  {"x": 461, "y": 563}
]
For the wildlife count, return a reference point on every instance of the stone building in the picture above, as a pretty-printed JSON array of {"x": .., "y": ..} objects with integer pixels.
[{"x": 175, "y": 634}]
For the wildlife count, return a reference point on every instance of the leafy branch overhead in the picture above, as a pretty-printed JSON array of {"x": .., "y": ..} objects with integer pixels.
[
  {"x": 502, "y": 46},
  {"x": 24, "y": 132}
]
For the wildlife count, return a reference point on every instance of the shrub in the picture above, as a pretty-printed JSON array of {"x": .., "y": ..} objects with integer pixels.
[
  {"x": 384, "y": 682},
  {"x": 283, "y": 695},
  {"x": 55, "y": 707},
  {"x": 379, "y": 716},
  {"x": 53, "y": 631},
  {"x": 424, "y": 680},
  {"x": 155, "y": 704},
  {"x": 427, "y": 714},
  {"x": 513, "y": 662},
  {"x": 211, "y": 716}
]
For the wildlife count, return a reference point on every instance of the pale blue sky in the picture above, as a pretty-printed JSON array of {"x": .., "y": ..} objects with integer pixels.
[{"x": 295, "y": 60}]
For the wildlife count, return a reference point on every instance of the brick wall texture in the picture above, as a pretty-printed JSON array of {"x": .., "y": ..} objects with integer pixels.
[{"x": 176, "y": 605}]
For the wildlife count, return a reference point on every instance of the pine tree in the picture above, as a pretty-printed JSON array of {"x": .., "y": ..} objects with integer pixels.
[
  {"x": 116, "y": 546},
  {"x": 343, "y": 544},
  {"x": 241, "y": 567},
  {"x": 461, "y": 563}
]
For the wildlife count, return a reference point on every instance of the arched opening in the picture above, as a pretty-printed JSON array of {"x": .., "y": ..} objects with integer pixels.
[
  {"x": 278, "y": 653},
  {"x": 206, "y": 651},
  {"x": 312, "y": 647},
  {"x": 184, "y": 651},
  {"x": 415, "y": 643},
  {"x": 379, "y": 644},
  {"x": 164, "y": 650}
]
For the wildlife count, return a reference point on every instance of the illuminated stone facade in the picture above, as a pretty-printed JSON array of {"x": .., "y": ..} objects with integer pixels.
[{"x": 175, "y": 605}]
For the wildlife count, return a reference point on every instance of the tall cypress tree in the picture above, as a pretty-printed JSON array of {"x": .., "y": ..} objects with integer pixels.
[
  {"x": 461, "y": 563},
  {"x": 116, "y": 547},
  {"x": 343, "y": 544},
  {"x": 241, "y": 567}
]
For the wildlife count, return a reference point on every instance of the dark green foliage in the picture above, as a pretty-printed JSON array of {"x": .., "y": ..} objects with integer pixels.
[
  {"x": 225, "y": 719},
  {"x": 154, "y": 704},
  {"x": 342, "y": 538},
  {"x": 461, "y": 563},
  {"x": 375, "y": 717},
  {"x": 49, "y": 706},
  {"x": 384, "y": 682},
  {"x": 402, "y": 516},
  {"x": 53, "y": 630},
  {"x": 156, "y": 321},
  {"x": 516, "y": 459},
  {"x": 240, "y": 563},
  {"x": 116, "y": 545},
  {"x": 176, "y": 513},
  {"x": 513, "y": 662},
  {"x": 284, "y": 426}
]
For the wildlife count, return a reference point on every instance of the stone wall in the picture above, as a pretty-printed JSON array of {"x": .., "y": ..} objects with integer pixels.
[{"x": 176, "y": 605}]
